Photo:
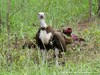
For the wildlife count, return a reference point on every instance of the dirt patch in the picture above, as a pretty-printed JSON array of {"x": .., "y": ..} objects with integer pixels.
[
  {"x": 84, "y": 25},
  {"x": 87, "y": 24}
]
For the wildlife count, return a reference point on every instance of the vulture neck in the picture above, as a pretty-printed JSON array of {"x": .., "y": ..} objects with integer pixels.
[{"x": 43, "y": 23}]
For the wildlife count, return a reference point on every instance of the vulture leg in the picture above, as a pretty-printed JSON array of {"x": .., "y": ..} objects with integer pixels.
[
  {"x": 43, "y": 52},
  {"x": 56, "y": 54}
]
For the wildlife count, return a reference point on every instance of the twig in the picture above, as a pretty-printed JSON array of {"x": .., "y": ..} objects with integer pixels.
[
  {"x": 15, "y": 41},
  {"x": 17, "y": 11}
]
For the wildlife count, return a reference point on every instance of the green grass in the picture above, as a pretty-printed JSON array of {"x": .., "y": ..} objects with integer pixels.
[
  {"x": 69, "y": 69},
  {"x": 24, "y": 23}
]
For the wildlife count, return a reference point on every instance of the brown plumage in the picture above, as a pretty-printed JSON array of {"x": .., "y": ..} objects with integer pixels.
[
  {"x": 57, "y": 40},
  {"x": 38, "y": 40}
]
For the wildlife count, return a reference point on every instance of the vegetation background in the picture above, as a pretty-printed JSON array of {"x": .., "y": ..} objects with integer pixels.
[{"x": 19, "y": 23}]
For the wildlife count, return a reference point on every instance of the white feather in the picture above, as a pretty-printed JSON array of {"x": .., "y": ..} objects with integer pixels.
[{"x": 45, "y": 37}]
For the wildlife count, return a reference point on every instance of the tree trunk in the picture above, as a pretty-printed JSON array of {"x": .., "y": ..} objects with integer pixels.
[
  {"x": 90, "y": 10},
  {"x": 9, "y": 56},
  {"x": 7, "y": 23},
  {"x": 98, "y": 12}
]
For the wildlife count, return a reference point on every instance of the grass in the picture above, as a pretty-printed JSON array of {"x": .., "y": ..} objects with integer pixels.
[
  {"x": 83, "y": 60},
  {"x": 69, "y": 68}
]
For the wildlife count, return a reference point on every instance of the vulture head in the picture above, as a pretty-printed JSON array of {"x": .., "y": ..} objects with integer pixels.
[
  {"x": 41, "y": 15},
  {"x": 67, "y": 31}
]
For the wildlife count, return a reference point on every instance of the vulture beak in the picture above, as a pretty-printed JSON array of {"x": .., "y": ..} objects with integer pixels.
[{"x": 41, "y": 17}]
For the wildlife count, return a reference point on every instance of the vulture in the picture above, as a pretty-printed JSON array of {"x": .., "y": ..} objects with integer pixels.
[
  {"x": 48, "y": 38},
  {"x": 68, "y": 32}
]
